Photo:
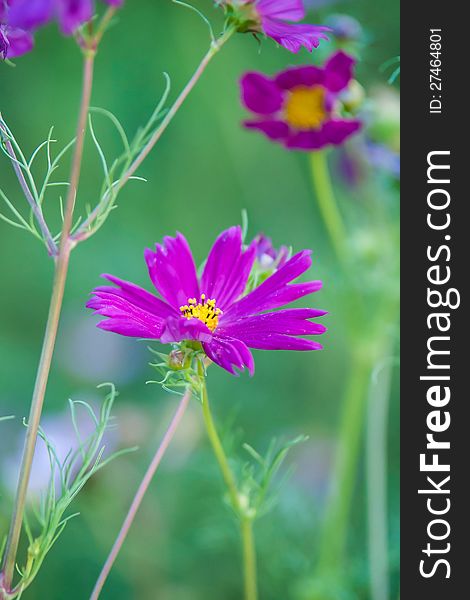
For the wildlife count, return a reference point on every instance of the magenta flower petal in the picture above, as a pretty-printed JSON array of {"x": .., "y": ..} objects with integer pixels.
[
  {"x": 137, "y": 295},
  {"x": 294, "y": 76},
  {"x": 144, "y": 313},
  {"x": 229, "y": 353},
  {"x": 260, "y": 94},
  {"x": 293, "y": 36},
  {"x": 127, "y": 327},
  {"x": 334, "y": 132},
  {"x": 73, "y": 13},
  {"x": 125, "y": 318},
  {"x": 307, "y": 140},
  {"x": 273, "y": 292},
  {"x": 338, "y": 71},
  {"x": 227, "y": 268},
  {"x": 172, "y": 270},
  {"x": 19, "y": 42},
  {"x": 178, "y": 329},
  {"x": 277, "y": 341},
  {"x": 288, "y": 10},
  {"x": 338, "y": 130},
  {"x": 30, "y": 14},
  {"x": 4, "y": 45},
  {"x": 292, "y": 321},
  {"x": 117, "y": 309},
  {"x": 274, "y": 130}
]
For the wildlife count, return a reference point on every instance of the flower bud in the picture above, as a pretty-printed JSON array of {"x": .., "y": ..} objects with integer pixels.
[
  {"x": 177, "y": 360},
  {"x": 353, "y": 97}
]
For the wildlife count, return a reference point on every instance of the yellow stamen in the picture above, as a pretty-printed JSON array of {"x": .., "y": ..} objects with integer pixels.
[
  {"x": 205, "y": 311},
  {"x": 305, "y": 107}
]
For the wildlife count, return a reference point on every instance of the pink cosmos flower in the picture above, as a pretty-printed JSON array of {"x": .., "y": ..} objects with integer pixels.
[
  {"x": 299, "y": 107},
  {"x": 212, "y": 309},
  {"x": 278, "y": 20}
]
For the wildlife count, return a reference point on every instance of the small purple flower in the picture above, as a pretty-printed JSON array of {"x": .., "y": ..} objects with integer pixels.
[
  {"x": 353, "y": 162},
  {"x": 278, "y": 20},
  {"x": 345, "y": 28},
  {"x": 31, "y": 14},
  {"x": 213, "y": 309},
  {"x": 299, "y": 107},
  {"x": 267, "y": 256},
  {"x": 383, "y": 158},
  {"x": 14, "y": 41}
]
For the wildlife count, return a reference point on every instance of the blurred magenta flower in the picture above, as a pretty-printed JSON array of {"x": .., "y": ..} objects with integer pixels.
[
  {"x": 70, "y": 14},
  {"x": 213, "y": 309},
  {"x": 278, "y": 20},
  {"x": 13, "y": 40},
  {"x": 299, "y": 107}
]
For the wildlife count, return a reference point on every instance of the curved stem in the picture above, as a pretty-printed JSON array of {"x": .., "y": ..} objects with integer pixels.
[
  {"x": 139, "y": 496},
  {"x": 327, "y": 203},
  {"x": 219, "y": 452},
  {"x": 83, "y": 232},
  {"x": 50, "y": 335},
  {"x": 246, "y": 522}
]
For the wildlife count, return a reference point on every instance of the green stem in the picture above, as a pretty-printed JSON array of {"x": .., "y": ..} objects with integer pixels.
[
  {"x": 351, "y": 429},
  {"x": 218, "y": 449},
  {"x": 50, "y": 335},
  {"x": 249, "y": 559},
  {"x": 376, "y": 457},
  {"x": 246, "y": 522},
  {"x": 327, "y": 203}
]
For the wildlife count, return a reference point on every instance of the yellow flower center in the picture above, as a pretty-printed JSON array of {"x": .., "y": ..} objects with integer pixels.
[
  {"x": 205, "y": 311},
  {"x": 305, "y": 107}
]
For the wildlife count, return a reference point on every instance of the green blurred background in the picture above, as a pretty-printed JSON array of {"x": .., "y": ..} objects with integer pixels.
[{"x": 203, "y": 173}]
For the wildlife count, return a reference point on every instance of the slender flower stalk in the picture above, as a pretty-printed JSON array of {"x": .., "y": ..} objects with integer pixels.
[
  {"x": 350, "y": 434},
  {"x": 249, "y": 559},
  {"x": 363, "y": 360},
  {"x": 356, "y": 388},
  {"x": 35, "y": 207},
  {"x": 105, "y": 22},
  {"x": 60, "y": 276},
  {"x": 245, "y": 521},
  {"x": 139, "y": 496},
  {"x": 83, "y": 232},
  {"x": 218, "y": 449},
  {"x": 327, "y": 203}
]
